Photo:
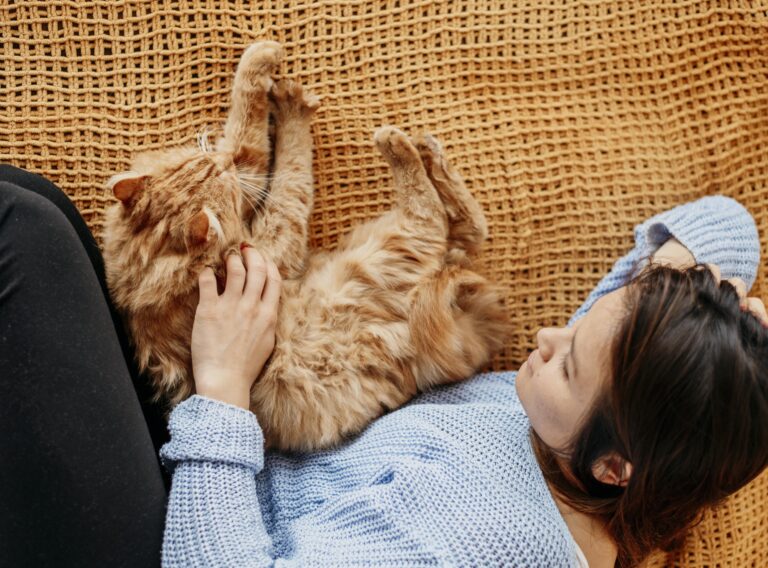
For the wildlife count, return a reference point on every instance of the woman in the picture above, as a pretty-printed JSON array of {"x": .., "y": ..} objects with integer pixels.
[
  {"x": 570, "y": 457},
  {"x": 650, "y": 405}
]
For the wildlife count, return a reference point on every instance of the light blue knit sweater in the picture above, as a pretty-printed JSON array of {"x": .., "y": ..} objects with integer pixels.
[{"x": 448, "y": 480}]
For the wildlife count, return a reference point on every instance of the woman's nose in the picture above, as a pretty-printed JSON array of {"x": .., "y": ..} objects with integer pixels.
[{"x": 549, "y": 338}]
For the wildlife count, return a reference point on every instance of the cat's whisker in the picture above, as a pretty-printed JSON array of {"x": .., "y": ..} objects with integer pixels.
[
  {"x": 262, "y": 197},
  {"x": 256, "y": 177},
  {"x": 261, "y": 205},
  {"x": 248, "y": 185},
  {"x": 250, "y": 174},
  {"x": 255, "y": 183},
  {"x": 262, "y": 180},
  {"x": 249, "y": 202},
  {"x": 255, "y": 190},
  {"x": 252, "y": 196},
  {"x": 268, "y": 199},
  {"x": 203, "y": 141},
  {"x": 254, "y": 186}
]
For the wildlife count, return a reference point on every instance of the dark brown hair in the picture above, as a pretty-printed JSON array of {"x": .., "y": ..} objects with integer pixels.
[{"x": 687, "y": 406}]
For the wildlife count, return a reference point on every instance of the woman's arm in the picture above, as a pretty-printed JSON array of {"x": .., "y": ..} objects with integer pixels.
[
  {"x": 715, "y": 230},
  {"x": 214, "y": 517},
  {"x": 217, "y": 446}
]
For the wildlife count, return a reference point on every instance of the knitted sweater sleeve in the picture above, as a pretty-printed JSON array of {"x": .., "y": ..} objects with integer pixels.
[
  {"x": 214, "y": 518},
  {"x": 716, "y": 229}
]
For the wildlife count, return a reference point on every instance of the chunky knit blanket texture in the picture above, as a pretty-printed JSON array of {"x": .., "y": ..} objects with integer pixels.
[{"x": 571, "y": 121}]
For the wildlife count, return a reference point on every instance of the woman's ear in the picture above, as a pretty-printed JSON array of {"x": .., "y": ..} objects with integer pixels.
[
  {"x": 127, "y": 186},
  {"x": 612, "y": 469}
]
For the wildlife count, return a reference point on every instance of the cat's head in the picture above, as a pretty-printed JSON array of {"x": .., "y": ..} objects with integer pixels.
[{"x": 184, "y": 200}]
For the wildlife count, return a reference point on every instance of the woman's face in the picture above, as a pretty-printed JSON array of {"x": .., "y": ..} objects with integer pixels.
[{"x": 562, "y": 377}]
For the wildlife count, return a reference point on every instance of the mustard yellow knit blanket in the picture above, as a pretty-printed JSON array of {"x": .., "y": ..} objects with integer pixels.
[{"x": 571, "y": 121}]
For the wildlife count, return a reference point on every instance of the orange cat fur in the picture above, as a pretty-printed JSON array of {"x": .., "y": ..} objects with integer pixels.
[{"x": 394, "y": 310}]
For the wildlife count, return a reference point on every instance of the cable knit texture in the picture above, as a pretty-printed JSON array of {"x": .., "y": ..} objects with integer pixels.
[{"x": 447, "y": 480}]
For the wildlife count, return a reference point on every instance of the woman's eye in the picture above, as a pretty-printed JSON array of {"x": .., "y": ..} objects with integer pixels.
[{"x": 563, "y": 364}]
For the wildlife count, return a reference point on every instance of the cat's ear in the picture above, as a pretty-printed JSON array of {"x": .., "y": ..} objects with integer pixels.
[
  {"x": 197, "y": 228},
  {"x": 127, "y": 186}
]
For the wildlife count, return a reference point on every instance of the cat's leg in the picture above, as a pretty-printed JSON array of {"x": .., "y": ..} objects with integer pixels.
[
  {"x": 280, "y": 230},
  {"x": 415, "y": 193},
  {"x": 246, "y": 132},
  {"x": 459, "y": 321},
  {"x": 467, "y": 225}
]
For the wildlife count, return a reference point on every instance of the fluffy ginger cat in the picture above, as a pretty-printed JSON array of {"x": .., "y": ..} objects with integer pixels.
[{"x": 394, "y": 310}]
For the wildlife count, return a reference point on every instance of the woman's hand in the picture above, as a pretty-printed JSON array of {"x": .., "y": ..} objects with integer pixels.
[
  {"x": 751, "y": 304},
  {"x": 233, "y": 334},
  {"x": 674, "y": 254}
]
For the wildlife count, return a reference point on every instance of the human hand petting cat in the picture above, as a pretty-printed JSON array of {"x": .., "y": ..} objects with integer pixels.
[{"x": 233, "y": 333}]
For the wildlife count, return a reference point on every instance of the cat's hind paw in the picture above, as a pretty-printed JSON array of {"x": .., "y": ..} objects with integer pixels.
[
  {"x": 395, "y": 145},
  {"x": 428, "y": 143},
  {"x": 430, "y": 150}
]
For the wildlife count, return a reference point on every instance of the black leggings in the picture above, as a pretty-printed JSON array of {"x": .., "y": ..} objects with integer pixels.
[{"x": 80, "y": 480}]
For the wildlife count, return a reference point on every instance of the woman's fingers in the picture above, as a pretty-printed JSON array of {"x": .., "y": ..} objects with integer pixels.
[
  {"x": 715, "y": 270},
  {"x": 753, "y": 305},
  {"x": 255, "y": 280},
  {"x": 741, "y": 288},
  {"x": 757, "y": 308},
  {"x": 256, "y": 274},
  {"x": 235, "y": 277},
  {"x": 207, "y": 282},
  {"x": 274, "y": 283}
]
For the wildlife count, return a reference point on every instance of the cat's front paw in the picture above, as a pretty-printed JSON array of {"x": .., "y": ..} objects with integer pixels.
[
  {"x": 260, "y": 62},
  {"x": 290, "y": 101}
]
